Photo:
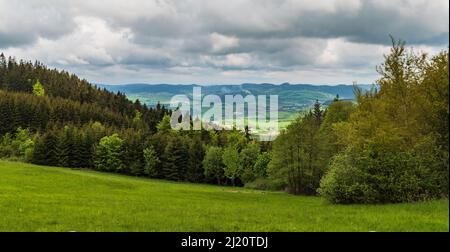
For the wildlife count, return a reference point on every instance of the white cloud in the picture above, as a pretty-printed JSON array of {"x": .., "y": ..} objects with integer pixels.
[{"x": 218, "y": 41}]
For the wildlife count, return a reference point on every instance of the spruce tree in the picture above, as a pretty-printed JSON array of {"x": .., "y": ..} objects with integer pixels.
[
  {"x": 65, "y": 148},
  {"x": 176, "y": 159},
  {"x": 45, "y": 152},
  {"x": 196, "y": 155},
  {"x": 318, "y": 114}
]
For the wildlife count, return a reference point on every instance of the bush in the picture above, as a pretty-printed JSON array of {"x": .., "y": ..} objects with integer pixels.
[
  {"x": 379, "y": 174},
  {"x": 19, "y": 147},
  {"x": 345, "y": 183}
]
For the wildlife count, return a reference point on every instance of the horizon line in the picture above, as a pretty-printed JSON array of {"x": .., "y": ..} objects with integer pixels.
[{"x": 230, "y": 84}]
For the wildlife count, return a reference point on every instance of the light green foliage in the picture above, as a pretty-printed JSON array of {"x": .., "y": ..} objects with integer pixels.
[
  {"x": 385, "y": 172},
  {"x": 27, "y": 149},
  {"x": 214, "y": 138},
  {"x": 137, "y": 116},
  {"x": 38, "y": 89},
  {"x": 151, "y": 161},
  {"x": 38, "y": 198},
  {"x": 248, "y": 157},
  {"x": 18, "y": 146},
  {"x": 164, "y": 125},
  {"x": 232, "y": 159},
  {"x": 232, "y": 162},
  {"x": 109, "y": 154},
  {"x": 236, "y": 140},
  {"x": 261, "y": 164},
  {"x": 5, "y": 146},
  {"x": 213, "y": 164},
  {"x": 396, "y": 142}
]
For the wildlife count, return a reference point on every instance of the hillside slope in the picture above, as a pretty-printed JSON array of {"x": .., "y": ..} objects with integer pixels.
[
  {"x": 66, "y": 99},
  {"x": 38, "y": 198}
]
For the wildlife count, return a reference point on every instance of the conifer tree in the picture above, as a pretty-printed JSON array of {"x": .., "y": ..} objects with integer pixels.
[
  {"x": 45, "y": 152},
  {"x": 151, "y": 162},
  {"x": 196, "y": 155},
  {"x": 175, "y": 159},
  {"x": 65, "y": 148}
]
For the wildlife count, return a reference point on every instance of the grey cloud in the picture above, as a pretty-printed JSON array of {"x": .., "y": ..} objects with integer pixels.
[
  {"x": 370, "y": 22},
  {"x": 218, "y": 37},
  {"x": 366, "y": 21},
  {"x": 22, "y": 22}
]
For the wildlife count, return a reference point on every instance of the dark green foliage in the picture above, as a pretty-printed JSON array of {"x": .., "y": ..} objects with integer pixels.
[
  {"x": 65, "y": 148},
  {"x": 262, "y": 184},
  {"x": 297, "y": 157},
  {"x": 176, "y": 157},
  {"x": 69, "y": 116},
  {"x": 196, "y": 154},
  {"x": 133, "y": 152},
  {"x": 158, "y": 142},
  {"x": 31, "y": 96},
  {"x": 318, "y": 113},
  {"x": 301, "y": 154},
  {"x": 45, "y": 150}
]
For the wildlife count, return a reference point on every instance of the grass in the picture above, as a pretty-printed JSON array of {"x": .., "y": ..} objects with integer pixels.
[{"x": 38, "y": 198}]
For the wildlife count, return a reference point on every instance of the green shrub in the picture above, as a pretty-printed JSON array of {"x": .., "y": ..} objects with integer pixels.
[
  {"x": 345, "y": 183},
  {"x": 380, "y": 174},
  {"x": 17, "y": 147}
]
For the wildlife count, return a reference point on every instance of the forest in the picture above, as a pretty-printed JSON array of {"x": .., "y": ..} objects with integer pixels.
[{"x": 389, "y": 146}]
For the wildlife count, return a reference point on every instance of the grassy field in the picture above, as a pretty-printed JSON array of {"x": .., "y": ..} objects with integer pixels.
[{"x": 37, "y": 198}]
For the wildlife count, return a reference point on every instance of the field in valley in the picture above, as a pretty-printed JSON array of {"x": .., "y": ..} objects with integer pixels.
[{"x": 38, "y": 198}]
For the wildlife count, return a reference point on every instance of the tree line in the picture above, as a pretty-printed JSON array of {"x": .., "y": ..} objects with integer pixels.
[
  {"x": 166, "y": 154},
  {"x": 50, "y": 117}
]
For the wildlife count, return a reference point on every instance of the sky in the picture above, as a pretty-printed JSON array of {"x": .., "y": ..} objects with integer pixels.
[{"x": 219, "y": 42}]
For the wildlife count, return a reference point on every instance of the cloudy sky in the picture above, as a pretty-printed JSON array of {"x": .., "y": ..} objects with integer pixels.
[{"x": 219, "y": 41}]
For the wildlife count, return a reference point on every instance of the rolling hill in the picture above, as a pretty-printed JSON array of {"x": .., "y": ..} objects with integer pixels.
[
  {"x": 289, "y": 94},
  {"x": 292, "y": 98}
]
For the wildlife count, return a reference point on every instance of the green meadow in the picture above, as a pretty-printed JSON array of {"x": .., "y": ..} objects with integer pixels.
[{"x": 38, "y": 198}]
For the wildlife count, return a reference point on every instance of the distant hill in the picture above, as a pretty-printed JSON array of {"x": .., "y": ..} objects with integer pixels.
[
  {"x": 292, "y": 98},
  {"x": 297, "y": 95}
]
